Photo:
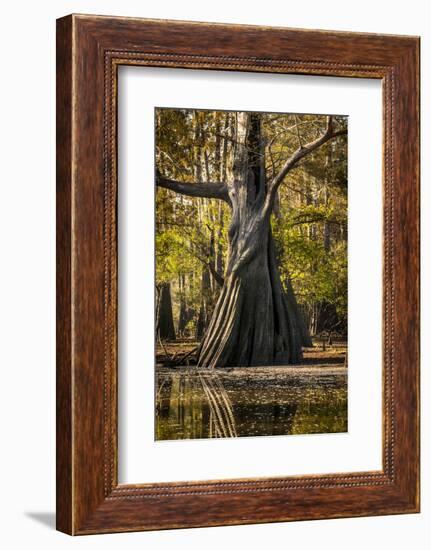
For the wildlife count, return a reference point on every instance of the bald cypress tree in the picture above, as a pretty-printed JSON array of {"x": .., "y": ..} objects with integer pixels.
[{"x": 255, "y": 322}]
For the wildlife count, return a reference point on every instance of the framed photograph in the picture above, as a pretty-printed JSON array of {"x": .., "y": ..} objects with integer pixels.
[{"x": 237, "y": 274}]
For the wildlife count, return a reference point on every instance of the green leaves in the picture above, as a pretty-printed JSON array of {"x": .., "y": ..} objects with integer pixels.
[
  {"x": 309, "y": 220},
  {"x": 312, "y": 248}
]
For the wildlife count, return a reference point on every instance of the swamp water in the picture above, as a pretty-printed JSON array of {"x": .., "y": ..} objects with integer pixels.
[{"x": 196, "y": 404}]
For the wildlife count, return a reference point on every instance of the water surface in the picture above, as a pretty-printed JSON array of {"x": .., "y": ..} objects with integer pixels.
[{"x": 196, "y": 404}]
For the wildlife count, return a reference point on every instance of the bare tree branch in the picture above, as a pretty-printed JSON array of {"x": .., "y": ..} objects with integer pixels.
[
  {"x": 219, "y": 279},
  {"x": 299, "y": 154},
  {"x": 206, "y": 190}
]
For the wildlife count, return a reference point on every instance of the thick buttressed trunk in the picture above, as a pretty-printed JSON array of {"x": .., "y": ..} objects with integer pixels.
[{"x": 254, "y": 322}]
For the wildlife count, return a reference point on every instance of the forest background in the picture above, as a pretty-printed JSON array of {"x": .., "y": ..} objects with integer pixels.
[{"x": 308, "y": 222}]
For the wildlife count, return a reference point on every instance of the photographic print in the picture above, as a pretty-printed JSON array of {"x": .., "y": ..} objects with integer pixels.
[
  {"x": 251, "y": 273},
  {"x": 207, "y": 195}
]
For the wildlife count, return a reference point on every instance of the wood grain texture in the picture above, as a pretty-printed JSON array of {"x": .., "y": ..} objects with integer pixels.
[
  {"x": 90, "y": 49},
  {"x": 64, "y": 496}
]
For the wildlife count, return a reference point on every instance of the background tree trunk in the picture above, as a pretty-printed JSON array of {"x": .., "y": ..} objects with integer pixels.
[
  {"x": 164, "y": 318},
  {"x": 205, "y": 307}
]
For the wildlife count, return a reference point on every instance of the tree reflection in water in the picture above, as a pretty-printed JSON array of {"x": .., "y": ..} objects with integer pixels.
[{"x": 192, "y": 404}]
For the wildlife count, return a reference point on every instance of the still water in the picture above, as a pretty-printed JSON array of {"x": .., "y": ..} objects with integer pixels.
[{"x": 192, "y": 404}]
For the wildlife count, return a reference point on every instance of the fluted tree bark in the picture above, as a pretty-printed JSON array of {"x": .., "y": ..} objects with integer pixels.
[{"x": 254, "y": 321}]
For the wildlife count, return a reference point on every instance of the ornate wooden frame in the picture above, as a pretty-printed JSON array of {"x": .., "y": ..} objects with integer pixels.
[{"x": 89, "y": 51}]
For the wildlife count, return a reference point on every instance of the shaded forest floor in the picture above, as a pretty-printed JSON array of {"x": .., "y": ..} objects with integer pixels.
[{"x": 321, "y": 357}]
